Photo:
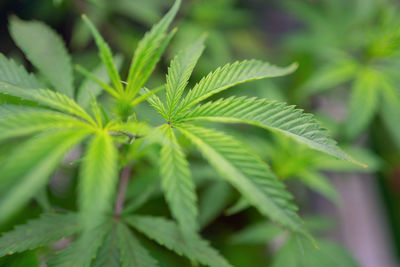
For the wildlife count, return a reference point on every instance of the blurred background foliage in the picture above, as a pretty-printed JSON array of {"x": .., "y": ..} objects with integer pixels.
[{"x": 349, "y": 76}]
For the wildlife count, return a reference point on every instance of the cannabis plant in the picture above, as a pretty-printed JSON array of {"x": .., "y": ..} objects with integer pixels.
[{"x": 103, "y": 232}]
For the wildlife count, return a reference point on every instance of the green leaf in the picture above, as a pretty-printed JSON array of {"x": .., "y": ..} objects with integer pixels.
[
  {"x": 176, "y": 182},
  {"x": 133, "y": 254},
  {"x": 18, "y": 121},
  {"x": 108, "y": 254},
  {"x": 155, "y": 102},
  {"x": 320, "y": 184},
  {"x": 247, "y": 173},
  {"x": 106, "y": 56},
  {"x": 12, "y": 73},
  {"x": 98, "y": 179},
  {"x": 46, "y": 50},
  {"x": 301, "y": 254},
  {"x": 363, "y": 102},
  {"x": 28, "y": 168},
  {"x": 38, "y": 232},
  {"x": 179, "y": 73},
  {"x": 228, "y": 76},
  {"x": 82, "y": 252},
  {"x": 47, "y": 98},
  {"x": 258, "y": 233},
  {"x": 391, "y": 111},
  {"x": 167, "y": 234},
  {"x": 149, "y": 51},
  {"x": 270, "y": 115}
]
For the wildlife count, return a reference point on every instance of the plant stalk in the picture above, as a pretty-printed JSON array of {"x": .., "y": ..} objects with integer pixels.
[{"x": 123, "y": 184}]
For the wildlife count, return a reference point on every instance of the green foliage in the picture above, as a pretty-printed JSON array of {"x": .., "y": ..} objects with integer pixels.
[
  {"x": 44, "y": 51},
  {"x": 116, "y": 139}
]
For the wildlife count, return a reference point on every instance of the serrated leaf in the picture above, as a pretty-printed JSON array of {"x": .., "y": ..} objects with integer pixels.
[
  {"x": 270, "y": 115},
  {"x": 247, "y": 173},
  {"x": 18, "y": 121},
  {"x": 179, "y": 73},
  {"x": 38, "y": 232},
  {"x": 47, "y": 98},
  {"x": 167, "y": 234},
  {"x": 177, "y": 183},
  {"x": 12, "y": 73},
  {"x": 155, "y": 102},
  {"x": 28, "y": 168},
  {"x": 97, "y": 181},
  {"x": 106, "y": 56},
  {"x": 133, "y": 254},
  {"x": 46, "y": 50},
  {"x": 149, "y": 51},
  {"x": 228, "y": 76}
]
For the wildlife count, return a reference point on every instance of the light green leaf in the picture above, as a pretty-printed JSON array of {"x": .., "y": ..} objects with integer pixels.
[
  {"x": 12, "y": 73},
  {"x": 167, "y": 234},
  {"x": 177, "y": 183},
  {"x": 106, "y": 56},
  {"x": 149, "y": 51},
  {"x": 155, "y": 102},
  {"x": 247, "y": 173},
  {"x": 18, "y": 121},
  {"x": 133, "y": 254},
  {"x": 28, "y": 168},
  {"x": 270, "y": 115},
  {"x": 363, "y": 102},
  {"x": 228, "y": 76},
  {"x": 47, "y": 98},
  {"x": 97, "y": 181},
  {"x": 46, "y": 50},
  {"x": 38, "y": 232},
  {"x": 179, "y": 73},
  {"x": 108, "y": 254},
  {"x": 258, "y": 233}
]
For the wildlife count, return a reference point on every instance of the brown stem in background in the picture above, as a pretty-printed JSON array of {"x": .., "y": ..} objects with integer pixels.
[{"x": 123, "y": 184}]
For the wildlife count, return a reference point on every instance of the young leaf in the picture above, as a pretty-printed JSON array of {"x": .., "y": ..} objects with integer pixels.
[
  {"x": 149, "y": 51},
  {"x": 133, "y": 254},
  {"x": 228, "y": 76},
  {"x": 46, "y": 50},
  {"x": 167, "y": 234},
  {"x": 12, "y": 73},
  {"x": 247, "y": 173},
  {"x": 179, "y": 73},
  {"x": 155, "y": 102},
  {"x": 106, "y": 56},
  {"x": 18, "y": 121},
  {"x": 47, "y": 98},
  {"x": 98, "y": 180},
  {"x": 177, "y": 184},
  {"x": 38, "y": 232},
  {"x": 28, "y": 168},
  {"x": 270, "y": 115}
]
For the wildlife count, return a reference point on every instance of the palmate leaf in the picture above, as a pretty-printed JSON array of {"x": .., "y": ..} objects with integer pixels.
[
  {"x": 18, "y": 121},
  {"x": 270, "y": 115},
  {"x": 177, "y": 183},
  {"x": 11, "y": 72},
  {"x": 106, "y": 56},
  {"x": 228, "y": 76},
  {"x": 47, "y": 52},
  {"x": 97, "y": 181},
  {"x": 167, "y": 234},
  {"x": 47, "y": 98},
  {"x": 179, "y": 73},
  {"x": 28, "y": 168},
  {"x": 149, "y": 51},
  {"x": 247, "y": 173},
  {"x": 38, "y": 232},
  {"x": 133, "y": 254}
]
